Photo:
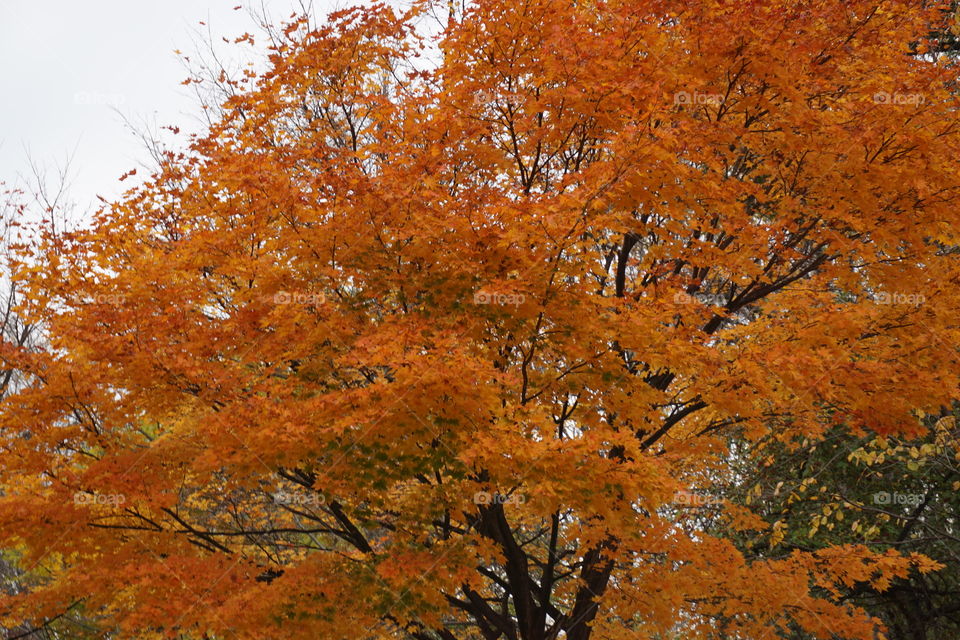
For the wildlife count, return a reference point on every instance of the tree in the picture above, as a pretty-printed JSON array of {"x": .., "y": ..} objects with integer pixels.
[
  {"x": 461, "y": 336},
  {"x": 41, "y": 197},
  {"x": 886, "y": 492}
]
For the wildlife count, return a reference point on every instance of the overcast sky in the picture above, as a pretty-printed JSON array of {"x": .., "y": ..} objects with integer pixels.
[{"x": 66, "y": 64}]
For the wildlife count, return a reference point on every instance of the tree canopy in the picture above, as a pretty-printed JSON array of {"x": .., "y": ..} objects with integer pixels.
[{"x": 468, "y": 334}]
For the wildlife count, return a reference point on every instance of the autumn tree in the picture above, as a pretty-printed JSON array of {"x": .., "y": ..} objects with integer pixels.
[
  {"x": 42, "y": 195},
  {"x": 463, "y": 335},
  {"x": 887, "y": 492}
]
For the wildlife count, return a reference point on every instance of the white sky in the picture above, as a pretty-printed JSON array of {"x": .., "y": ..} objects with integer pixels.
[{"x": 65, "y": 64}]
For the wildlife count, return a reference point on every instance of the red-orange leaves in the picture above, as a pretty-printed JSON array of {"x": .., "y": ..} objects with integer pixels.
[{"x": 460, "y": 335}]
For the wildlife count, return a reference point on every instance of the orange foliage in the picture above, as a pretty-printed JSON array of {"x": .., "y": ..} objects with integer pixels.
[{"x": 429, "y": 332}]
